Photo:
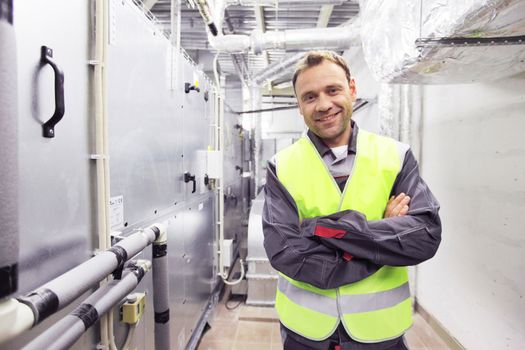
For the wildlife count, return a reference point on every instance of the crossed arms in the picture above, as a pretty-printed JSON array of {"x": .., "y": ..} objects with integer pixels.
[{"x": 330, "y": 251}]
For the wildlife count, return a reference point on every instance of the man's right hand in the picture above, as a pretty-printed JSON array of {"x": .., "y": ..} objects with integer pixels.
[{"x": 397, "y": 206}]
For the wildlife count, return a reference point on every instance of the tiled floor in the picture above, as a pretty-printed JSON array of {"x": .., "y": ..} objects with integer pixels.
[{"x": 257, "y": 328}]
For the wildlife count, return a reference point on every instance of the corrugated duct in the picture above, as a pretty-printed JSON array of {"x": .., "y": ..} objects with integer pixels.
[{"x": 439, "y": 41}]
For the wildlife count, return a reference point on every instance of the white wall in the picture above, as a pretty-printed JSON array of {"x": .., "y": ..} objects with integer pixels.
[
  {"x": 474, "y": 161},
  {"x": 367, "y": 88}
]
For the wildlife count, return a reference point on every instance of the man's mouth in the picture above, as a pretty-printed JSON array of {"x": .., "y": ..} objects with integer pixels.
[{"x": 328, "y": 117}]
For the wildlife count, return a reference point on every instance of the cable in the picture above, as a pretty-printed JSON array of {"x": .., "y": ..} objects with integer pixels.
[
  {"x": 129, "y": 336},
  {"x": 232, "y": 283},
  {"x": 230, "y": 308}
]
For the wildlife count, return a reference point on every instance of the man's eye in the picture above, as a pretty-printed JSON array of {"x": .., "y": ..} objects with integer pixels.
[{"x": 308, "y": 98}]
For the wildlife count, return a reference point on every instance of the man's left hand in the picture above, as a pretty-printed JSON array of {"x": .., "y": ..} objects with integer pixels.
[{"x": 397, "y": 206}]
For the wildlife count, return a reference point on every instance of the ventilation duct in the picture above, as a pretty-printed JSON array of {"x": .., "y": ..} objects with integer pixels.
[
  {"x": 277, "y": 69},
  {"x": 439, "y": 41},
  {"x": 296, "y": 39},
  {"x": 306, "y": 39}
]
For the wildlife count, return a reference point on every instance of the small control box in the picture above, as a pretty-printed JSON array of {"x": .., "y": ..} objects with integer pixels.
[{"x": 133, "y": 309}]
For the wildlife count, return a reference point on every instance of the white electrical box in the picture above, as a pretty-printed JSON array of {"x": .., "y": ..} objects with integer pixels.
[{"x": 214, "y": 164}]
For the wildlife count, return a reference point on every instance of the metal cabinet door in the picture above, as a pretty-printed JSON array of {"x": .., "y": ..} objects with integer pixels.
[
  {"x": 145, "y": 133},
  {"x": 54, "y": 183},
  {"x": 196, "y": 130},
  {"x": 198, "y": 269}
]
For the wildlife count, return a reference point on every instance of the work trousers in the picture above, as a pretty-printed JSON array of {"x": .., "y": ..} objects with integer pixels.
[{"x": 339, "y": 340}]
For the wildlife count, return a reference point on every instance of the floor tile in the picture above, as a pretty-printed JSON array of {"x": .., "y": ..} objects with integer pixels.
[
  {"x": 216, "y": 345},
  {"x": 276, "y": 333},
  {"x": 254, "y": 332},
  {"x": 251, "y": 346},
  {"x": 222, "y": 330},
  {"x": 427, "y": 334},
  {"x": 413, "y": 339},
  {"x": 277, "y": 346}
]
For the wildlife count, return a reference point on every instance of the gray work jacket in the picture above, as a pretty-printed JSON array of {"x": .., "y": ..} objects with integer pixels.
[{"x": 295, "y": 250}]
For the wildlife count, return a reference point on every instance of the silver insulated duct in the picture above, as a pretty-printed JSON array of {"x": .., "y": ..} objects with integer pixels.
[
  {"x": 436, "y": 41},
  {"x": 306, "y": 39},
  {"x": 8, "y": 153}
]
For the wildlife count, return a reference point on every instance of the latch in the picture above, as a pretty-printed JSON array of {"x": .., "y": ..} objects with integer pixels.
[{"x": 187, "y": 178}]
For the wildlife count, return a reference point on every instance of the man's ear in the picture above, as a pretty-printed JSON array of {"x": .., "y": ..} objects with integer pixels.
[{"x": 353, "y": 89}]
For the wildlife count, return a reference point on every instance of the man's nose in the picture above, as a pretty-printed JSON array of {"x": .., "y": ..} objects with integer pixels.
[{"x": 324, "y": 103}]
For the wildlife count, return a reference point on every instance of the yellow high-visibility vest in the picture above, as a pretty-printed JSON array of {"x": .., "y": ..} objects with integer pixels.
[{"x": 377, "y": 308}]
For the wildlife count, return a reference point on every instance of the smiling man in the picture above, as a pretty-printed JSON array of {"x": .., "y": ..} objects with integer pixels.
[{"x": 345, "y": 212}]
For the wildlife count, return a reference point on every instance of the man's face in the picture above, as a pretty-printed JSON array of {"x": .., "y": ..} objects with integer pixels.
[{"x": 325, "y": 99}]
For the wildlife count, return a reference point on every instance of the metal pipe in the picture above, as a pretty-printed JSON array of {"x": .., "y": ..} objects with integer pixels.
[
  {"x": 15, "y": 318},
  {"x": 68, "y": 330},
  {"x": 161, "y": 292},
  {"x": 277, "y": 69},
  {"x": 276, "y": 3},
  {"x": 9, "y": 235},
  {"x": 332, "y": 38},
  {"x": 255, "y": 104},
  {"x": 204, "y": 10},
  {"x": 306, "y": 39},
  {"x": 60, "y": 292}
]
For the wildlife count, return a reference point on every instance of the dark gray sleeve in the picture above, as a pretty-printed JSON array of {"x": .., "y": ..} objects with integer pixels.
[
  {"x": 295, "y": 255},
  {"x": 398, "y": 241}
]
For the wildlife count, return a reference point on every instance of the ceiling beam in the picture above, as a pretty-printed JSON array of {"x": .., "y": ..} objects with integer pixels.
[
  {"x": 148, "y": 4},
  {"x": 261, "y": 25},
  {"x": 324, "y": 16}
]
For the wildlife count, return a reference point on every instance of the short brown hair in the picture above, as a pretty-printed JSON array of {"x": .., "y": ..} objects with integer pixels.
[{"x": 314, "y": 58}]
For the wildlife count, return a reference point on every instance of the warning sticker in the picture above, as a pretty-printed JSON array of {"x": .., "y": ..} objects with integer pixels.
[{"x": 116, "y": 212}]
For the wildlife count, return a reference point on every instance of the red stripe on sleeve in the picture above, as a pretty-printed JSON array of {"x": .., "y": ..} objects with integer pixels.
[
  {"x": 347, "y": 256},
  {"x": 327, "y": 232}
]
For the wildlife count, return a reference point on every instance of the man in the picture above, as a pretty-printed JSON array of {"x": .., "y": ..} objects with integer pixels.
[{"x": 337, "y": 224}]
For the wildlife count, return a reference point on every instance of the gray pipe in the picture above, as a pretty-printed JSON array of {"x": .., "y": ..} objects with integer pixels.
[
  {"x": 68, "y": 330},
  {"x": 161, "y": 294},
  {"x": 307, "y": 39},
  {"x": 8, "y": 154},
  {"x": 277, "y": 69},
  {"x": 61, "y": 291}
]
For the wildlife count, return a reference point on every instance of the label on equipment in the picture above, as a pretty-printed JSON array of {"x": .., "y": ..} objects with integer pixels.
[{"x": 116, "y": 212}]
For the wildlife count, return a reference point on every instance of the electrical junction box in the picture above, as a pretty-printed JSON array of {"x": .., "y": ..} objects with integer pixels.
[{"x": 133, "y": 309}]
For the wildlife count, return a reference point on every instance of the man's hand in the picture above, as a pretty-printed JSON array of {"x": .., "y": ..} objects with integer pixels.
[{"x": 397, "y": 206}]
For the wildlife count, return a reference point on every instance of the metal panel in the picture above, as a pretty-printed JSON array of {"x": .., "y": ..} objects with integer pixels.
[
  {"x": 177, "y": 268},
  {"x": 54, "y": 184},
  {"x": 232, "y": 165},
  {"x": 198, "y": 259},
  {"x": 262, "y": 278},
  {"x": 157, "y": 131},
  {"x": 54, "y": 173},
  {"x": 144, "y": 117},
  {"x": 196, "y": 127}
]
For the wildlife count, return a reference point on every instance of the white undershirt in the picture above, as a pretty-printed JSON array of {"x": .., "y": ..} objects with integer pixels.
[{"x": 340, "y": 152}]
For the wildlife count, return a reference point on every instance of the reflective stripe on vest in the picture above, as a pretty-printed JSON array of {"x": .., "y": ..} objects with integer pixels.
[{"x": 376, "y": 308}]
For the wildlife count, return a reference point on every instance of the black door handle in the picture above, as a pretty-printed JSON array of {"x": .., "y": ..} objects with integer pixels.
[
  {"x": 46, "y": 57},
  {"x": 188, "y": 87},
  {"x": 187, "y": 178}
]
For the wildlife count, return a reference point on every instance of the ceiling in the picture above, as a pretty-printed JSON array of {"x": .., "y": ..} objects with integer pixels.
[{"x": 281, "y": 15}]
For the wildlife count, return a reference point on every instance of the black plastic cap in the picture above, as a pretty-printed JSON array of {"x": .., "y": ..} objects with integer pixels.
[{"x": 213, "y": 29}]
